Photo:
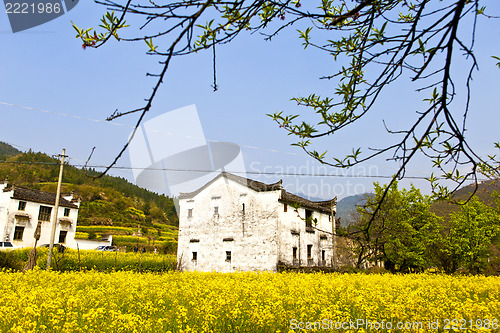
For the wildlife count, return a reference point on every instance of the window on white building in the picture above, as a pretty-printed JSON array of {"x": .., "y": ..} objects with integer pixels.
[
  {"x": 44, "y": 213},
  {"x": 228, "y": 255},
  {"x": 190, "y": 212},
  {"x": 216, "y": 210},
  {"x": 18, "y": 233},
  {"x": 66, "y": 211},
  {"x": 309, "y": 251},
  {"x": 22, "y": 205},
  {"x": 309, "y": 218},
  {"x": 294, "y": 250},
  {"x": 195, "y": 256},
  {"x": 62, "y": 236},
  {"x": 285, "y": 208}
]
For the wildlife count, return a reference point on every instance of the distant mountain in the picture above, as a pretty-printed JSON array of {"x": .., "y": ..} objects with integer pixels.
[
  {"x": 346, "y": 207},
  {"x": 7, "y": 151},
  {"x": 484, "y": 193}
]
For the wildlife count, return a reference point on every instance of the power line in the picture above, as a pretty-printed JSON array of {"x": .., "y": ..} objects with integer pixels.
[
  {"x": 151, "y": 130},
  {"x": 211, "y": 141},
  {"x": 261, "y": 173},
  {"x": 64, "y": 114},
  {"x": 29, "y": 162}
]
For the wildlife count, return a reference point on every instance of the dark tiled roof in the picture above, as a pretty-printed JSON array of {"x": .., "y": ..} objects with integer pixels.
[
  {"x": 253, "y": 184},
  {"x": 21, "y": 193},
  {"x": 321, "y": 206}
]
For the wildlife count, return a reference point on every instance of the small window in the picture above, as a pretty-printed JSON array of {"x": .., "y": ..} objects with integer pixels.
[
  {"x": 190, "y": 212},
  {"x": 228, "y": 255},
  {"x": 308, "y": 218},
  {"x": 243, "y": 208},
  {"x": 22, "y": 205},
  {"x": 309, "y": 251},
  {"x": 18, "y": 233},
  {"x": 216, "y": 211},
  {"x": 62, "y": 236},
  {"x": 195, "y": 256},
  {"x": 66, "y": 211},
  {"x": 323, "y": 255},
  {"x": 285, "y": 208},
  {"x": 294, "y": 252},
  {"x": 44, "y": 213}
]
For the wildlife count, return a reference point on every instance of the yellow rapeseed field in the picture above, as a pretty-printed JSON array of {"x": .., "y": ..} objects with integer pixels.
[{"x": 40, "y": 301}]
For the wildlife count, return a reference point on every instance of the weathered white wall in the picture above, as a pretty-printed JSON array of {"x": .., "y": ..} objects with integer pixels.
[
  {"x": 293, "y": 233},
  {"x": 254, "y": 244},
  {"x": 258, "y": 239}
]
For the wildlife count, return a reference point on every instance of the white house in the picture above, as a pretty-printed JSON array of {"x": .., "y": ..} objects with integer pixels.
[
  {"x": 237, "y": 224},
  {"x": 22, "y": 210}
]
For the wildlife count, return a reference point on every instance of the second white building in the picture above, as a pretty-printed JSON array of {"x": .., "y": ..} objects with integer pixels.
[{"x": 237, "y": 224}]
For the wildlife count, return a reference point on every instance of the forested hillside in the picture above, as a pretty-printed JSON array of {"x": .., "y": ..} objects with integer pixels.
[
  {"x": 105, "y": 202},
  {"x": 7, "y": 151},
  {"x": 485, "y": 192}
]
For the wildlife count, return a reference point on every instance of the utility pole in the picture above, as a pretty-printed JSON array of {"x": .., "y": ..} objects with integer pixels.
[
  {"x": 334, "y": 231},
  {"x": 56, "y": 208}
]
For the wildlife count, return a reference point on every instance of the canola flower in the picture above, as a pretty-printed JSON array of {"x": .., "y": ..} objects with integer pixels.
[
  {"x": 72, "y": 260},
  {"x": 41, "y": 301}
]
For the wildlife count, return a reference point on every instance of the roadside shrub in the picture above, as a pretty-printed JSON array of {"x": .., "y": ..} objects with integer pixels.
[{"x": 9, "y": 261}]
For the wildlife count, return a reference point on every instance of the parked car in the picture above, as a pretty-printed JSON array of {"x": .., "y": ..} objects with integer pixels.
[
  {"x": 7, "y": 246},
  {"x": 57, "y": 246},
  {"x": 107, "y": 248}
]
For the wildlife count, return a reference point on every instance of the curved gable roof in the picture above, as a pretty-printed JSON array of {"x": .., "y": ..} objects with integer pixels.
[
  {"x": 21, "y": 193},
  {"x": 320, "y": 206},
  {"x": 252, "y": 184}
]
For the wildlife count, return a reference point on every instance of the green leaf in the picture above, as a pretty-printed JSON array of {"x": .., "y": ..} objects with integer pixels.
[{"x": 497, "y": 58}]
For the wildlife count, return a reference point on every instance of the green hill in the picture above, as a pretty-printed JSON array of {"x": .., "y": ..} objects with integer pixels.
[
  {"x": 109, "y": 205},
  {"x": 483, "y": 192},
  {"x": 346, "y": 207},
  {"x": 7, "y": 151}
]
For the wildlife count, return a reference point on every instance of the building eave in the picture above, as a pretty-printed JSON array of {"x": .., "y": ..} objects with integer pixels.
[
  {"x": 25, "y": 194},
  {"x": 285, "y": 196},
  {"x": 319, "y": 206},
  {"x": 251, "y": 184}
]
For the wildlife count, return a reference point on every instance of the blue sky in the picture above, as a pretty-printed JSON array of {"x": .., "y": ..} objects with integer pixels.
[{"x": 45, "y": 68}]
